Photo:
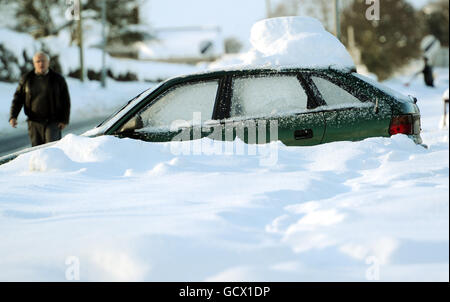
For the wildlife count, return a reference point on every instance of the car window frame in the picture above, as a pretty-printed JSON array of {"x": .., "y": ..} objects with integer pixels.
[
  {"x": 229, "y": 89},
  {"x": 336, "y": 79},
  {"x": 222, "y": 106}
]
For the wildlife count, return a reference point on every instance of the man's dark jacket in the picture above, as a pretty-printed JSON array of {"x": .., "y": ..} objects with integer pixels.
[{"x": 59, "y": 99}]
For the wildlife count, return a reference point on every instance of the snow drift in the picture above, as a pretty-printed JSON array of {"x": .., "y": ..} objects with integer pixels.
[{"x": 131, "y": 210}]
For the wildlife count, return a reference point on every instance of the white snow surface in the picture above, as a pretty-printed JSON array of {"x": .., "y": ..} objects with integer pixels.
[
  {"x": 127, "y": 210},
  {"x": 292, "y": 42}
]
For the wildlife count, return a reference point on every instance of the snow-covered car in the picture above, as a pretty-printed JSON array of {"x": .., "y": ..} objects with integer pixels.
[
  {"x": 308, "y": 107},
  {"x": 299, "y": 107}
]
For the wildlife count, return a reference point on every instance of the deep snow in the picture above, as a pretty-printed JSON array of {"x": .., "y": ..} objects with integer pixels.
[
  {"x": 131, "y": 210},
  {"x": 109, "y": 209}
]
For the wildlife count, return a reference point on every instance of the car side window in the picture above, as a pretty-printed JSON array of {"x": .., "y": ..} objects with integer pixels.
[
  {"x": 334, "y": 95},
  {"x": 267, "y": 95},
  {"x": 181, "y": 103}
]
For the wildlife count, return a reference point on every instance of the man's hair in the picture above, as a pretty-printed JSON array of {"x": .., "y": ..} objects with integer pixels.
[{"x": 41, "y": 53}]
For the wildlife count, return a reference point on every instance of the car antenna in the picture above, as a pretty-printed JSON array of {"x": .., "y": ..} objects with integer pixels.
[{"x": 377, "y": 108}]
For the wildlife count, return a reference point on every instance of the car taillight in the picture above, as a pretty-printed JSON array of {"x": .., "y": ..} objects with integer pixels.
[{"x": 402, "y": 124}]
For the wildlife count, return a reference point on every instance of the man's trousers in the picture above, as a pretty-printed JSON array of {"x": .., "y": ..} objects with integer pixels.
[{"x": 42, "y": 133}]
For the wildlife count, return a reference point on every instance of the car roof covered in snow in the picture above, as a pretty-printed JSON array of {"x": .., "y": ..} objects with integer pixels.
[{"x": 247, "y": 71}]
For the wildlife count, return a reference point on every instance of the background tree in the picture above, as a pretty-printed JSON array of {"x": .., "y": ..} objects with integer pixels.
[
  {"x": 34, "y": 17},
  {"x": 47, "y": 17},
  {"x": 121, "y": 18},
  {"x": 389, "y": 43},
  {"x": 436, "y": 16}
]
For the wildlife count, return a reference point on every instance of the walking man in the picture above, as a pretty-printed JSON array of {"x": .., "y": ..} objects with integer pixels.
[{"x": 45, "y": 97}]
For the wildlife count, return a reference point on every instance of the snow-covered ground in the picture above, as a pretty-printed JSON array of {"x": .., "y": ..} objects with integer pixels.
[
  {"x": 98, "y": 209},
  {"x": 130, "y": 210}
]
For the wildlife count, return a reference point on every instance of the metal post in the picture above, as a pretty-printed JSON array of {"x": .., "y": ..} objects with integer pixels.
[
  {"x": 103, "y": 75},
  {"x": 337, "y": 19},
  {"x": 80, "y": 42},
  {"x": 268, "y": 9}
]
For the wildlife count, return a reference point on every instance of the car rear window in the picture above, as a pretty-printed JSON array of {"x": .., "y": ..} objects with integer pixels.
[
  {"x": 267, "y": 96},
  {"x": 334, "y": 95}
]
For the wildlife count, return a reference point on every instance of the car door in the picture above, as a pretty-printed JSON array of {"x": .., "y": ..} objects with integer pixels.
[
  {"x": 175, "y": 114},
  {"x": 350, "y": 113},
  {"x": 270, "y": 107}
]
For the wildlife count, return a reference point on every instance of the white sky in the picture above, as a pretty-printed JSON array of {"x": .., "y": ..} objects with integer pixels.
[{"x": 235, "y": 17}]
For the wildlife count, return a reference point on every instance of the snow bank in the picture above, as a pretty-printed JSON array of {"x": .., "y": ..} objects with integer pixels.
[
  {"x": 293, "y": 42},
  {"x": 49, "y": 159},
  {"x": 143, "y": 70},
  {"x": 18, "y": 44},
  {"x": 131, "y": 210}
]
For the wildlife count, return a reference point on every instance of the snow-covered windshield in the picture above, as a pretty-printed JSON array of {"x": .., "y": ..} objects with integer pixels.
[
  {"x": 143, "y": 94},
  {"x": 380, "y": 86},
  {"x": 119, "y": 113},
  {"x": 185, "y": 102}
]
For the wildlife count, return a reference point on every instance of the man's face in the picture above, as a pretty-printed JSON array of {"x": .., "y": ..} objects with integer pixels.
[{"x": 40, "y": 63}]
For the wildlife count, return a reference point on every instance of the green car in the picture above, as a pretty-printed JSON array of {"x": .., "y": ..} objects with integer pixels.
[{"x": 299, "y": 107}]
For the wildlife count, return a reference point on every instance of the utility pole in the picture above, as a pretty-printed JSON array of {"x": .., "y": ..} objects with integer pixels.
[
  {"x": 268, "y": 9},
  {"x": 80, "y": 41},
  {"x": 337, "y": 19},
  {"x": 103, "y": 76}
]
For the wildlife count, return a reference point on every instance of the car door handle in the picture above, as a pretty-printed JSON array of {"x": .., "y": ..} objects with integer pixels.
[{"x": 303, "y": 134}]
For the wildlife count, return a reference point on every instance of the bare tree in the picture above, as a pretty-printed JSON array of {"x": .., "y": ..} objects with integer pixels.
[
  {"x": 387, "y": 44},
  {"x": 35, "y": 16}
]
